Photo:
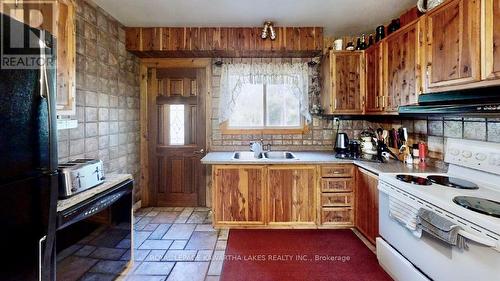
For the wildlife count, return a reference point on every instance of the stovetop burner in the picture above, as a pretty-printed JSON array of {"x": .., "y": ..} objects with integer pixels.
[
  {"x": 480, "y": 205},
  {"x": 452, "y": 182},
  {"x": 414, "y": 179}
]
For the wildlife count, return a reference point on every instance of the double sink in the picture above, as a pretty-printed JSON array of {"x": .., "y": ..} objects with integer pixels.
[{"x": 268, "y": 155}]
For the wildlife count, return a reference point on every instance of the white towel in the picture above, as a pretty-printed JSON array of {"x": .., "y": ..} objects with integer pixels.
[{"x": 405, "y": 214}]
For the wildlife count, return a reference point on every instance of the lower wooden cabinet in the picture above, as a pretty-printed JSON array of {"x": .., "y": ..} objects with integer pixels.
[
  {"x": 291, "y": 192},
  {"x": 337, "y": 216},
  {"x": 238, "y": 195},
  {"x": 367, "y": 204},
  {"x": 284, "y": 196}
]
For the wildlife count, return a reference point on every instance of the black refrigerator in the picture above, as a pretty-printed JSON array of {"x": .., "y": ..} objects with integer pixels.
[{"x": 28, "y": 153}]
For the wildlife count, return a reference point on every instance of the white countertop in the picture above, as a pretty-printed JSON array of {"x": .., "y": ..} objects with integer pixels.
[
  {"x": 111, "y": 181},
  {"x": 315, "y": 158}
]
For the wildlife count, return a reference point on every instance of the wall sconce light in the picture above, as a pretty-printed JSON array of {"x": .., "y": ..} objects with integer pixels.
[{"x": 268, "y": 30}]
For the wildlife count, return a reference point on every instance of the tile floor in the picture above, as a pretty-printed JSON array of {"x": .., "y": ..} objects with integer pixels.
[{"x": 176, "y": 244}]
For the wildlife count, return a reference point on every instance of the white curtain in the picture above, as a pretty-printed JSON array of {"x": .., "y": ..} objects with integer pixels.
[{"x": 234, "y": 76}]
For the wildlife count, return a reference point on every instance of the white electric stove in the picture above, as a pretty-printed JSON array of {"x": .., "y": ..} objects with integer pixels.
[{"x": 468, "y": 194}]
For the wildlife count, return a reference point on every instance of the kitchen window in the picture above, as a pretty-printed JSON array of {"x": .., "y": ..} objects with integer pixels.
[
  {"x": 264, "y": 97},
  {"x": 263, "y": 106}
]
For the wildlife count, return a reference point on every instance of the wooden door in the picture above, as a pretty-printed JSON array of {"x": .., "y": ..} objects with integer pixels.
[
  {"x": 177, "y": 124},
  {"x": 367, "y": 204},
  {"x": 348, "y": 82},
  {"x": 238, "y": 195},
  {"x": 291, "y": 192},
  {"x": 491, "y": 43},
  {"x": 453, "y": 44},
  {"x": 402, "y": 67},
  {"x": 374, "y": 79}
]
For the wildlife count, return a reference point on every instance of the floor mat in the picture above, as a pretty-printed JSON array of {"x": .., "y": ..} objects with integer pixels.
[{"x": 299, "y": 255}]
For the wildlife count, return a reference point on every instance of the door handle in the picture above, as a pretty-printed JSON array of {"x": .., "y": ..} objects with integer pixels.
[{"x": 40, "y": 243}]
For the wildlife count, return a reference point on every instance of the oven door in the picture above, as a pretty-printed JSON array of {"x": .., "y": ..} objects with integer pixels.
[
  {"x": 429, "y": 256},
  {"x": 94, "y": 238}
]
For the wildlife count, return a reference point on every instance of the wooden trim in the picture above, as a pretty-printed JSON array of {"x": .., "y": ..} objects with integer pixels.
[
  {"x": 271, "y": 131},
  {"x": 144, "y": 142},
  {"x": 147, "y": 103},
  {"x": 223, "y": 42}
]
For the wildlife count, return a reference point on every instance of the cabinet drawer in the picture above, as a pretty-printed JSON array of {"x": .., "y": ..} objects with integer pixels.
[
  {"x": 337, "y": 199},
  {"x": 337, "y": 185},
  {"x": 340, "y": 216},
  {"x": 337, "y": 171}
]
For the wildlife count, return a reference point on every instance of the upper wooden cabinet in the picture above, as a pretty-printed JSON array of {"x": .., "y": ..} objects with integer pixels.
[
  {"x": 453, "y": 42},
  {"x": 343, "y": 80},
  {"x": 66, "y": 56},
  {"x": 238, "y": 195},
  {"x": 491, "y": 41},
  {"x": 374, "y": 98},
  {"x": 291, "y": 195},
  {"x": 58, "y": 19},
  {"x": 402, "y": 66}
]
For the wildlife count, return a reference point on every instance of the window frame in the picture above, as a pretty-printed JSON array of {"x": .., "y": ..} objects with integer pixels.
[{"x": 300, "y": 129}]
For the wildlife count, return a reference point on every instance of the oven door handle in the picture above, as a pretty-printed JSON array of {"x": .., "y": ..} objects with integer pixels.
[{"x": 480, "y": 240}]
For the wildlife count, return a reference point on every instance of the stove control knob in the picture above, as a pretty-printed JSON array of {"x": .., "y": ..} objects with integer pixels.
[
  {"x": 454, "y": 152},
  {"x": 466, "y": 154},
  {"x": 480, "y": 156}
]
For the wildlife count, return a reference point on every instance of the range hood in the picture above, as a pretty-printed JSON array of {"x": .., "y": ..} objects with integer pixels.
[{"x": 480, "y": 102}]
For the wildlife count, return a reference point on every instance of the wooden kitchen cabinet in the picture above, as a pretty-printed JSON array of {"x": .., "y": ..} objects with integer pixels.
[
  {"x": 291, "y": 195},
  {"x": 374, "y": 98},
  {"x": 66, "y": 57},
  {"x": 238, "y": 195},
  {"x": 402, "y": 65},
  {"x": 491, "y": 42},
  {"x": 337, "y": 193},
  {"x": 64, "y": 29},
  {"x": 452, "y": 47},
  {"x": 343, "y": 80},
  {"x": 367, "y": 204}
]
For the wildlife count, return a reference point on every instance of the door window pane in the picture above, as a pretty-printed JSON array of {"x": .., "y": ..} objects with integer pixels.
[
  {"x": 249, "y": 109},
  {"x": 176, "y": 124},
  {"x": 282, "y": 107}
]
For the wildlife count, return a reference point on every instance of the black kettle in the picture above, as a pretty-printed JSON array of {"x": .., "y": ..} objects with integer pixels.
[{"x": 342, "y": 143}]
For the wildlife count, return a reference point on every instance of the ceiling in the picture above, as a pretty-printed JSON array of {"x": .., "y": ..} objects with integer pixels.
[{"x": 338, "y": 17}]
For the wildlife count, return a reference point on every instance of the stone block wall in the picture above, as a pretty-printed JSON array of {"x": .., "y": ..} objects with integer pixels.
[{"x": 107, "y": 95}]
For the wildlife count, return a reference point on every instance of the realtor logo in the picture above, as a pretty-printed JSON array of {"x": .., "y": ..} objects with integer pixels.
[{"x": 23, "y": 44}]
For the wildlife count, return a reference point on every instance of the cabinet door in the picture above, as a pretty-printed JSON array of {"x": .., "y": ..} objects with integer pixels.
[
  {"x": 291, "y": 195},
  {"x": 491, "y": 48},
  {"x": 238, "y": 195},
  {"x": 367, "y": 204},
  {"x": 453, "y": 44},
  {"x": 348, "y": 82},
  {"x": 402, "y": 67},
  {"x": 374, "y": 79},
  {"x": 66, "y": 56}
]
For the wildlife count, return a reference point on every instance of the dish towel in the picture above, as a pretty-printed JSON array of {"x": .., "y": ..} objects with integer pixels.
[
  {"x": 440, "y": 228},
  {"x": 405, "y": 214}
]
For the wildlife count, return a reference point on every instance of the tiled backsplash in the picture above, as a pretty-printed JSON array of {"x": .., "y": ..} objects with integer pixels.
[
  {"x": 435, "y": 130},
  {"x": 107, "y": 96}
]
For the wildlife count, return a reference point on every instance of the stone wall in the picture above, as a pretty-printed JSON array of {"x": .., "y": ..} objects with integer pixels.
[{"x": 107, "y": 96}]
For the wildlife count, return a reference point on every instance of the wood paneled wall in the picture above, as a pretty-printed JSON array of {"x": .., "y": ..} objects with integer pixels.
[{"x": 223, "y": 42}]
